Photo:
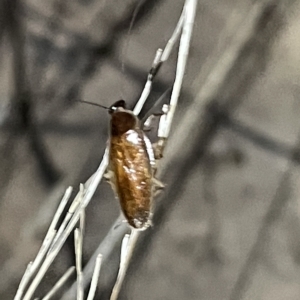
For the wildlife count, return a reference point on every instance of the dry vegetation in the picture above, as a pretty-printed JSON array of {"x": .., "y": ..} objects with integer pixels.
[{"x": 226, "y": 226}]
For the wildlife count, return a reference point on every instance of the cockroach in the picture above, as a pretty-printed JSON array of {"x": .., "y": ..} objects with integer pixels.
[
  {"x": 131, "y": 162},
  {"x": 131, "y": 166}
]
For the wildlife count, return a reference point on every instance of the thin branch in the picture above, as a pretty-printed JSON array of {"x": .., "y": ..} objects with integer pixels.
[
  {"x": 95, "y": 278},
  {"x": 88, "y": 193},
  {"x": 59, "y": 283},
  {"x": 160, "y": 57},
  {"x": 189, "y": 17},
  {"x": 128, "y": 245},
  {"x": 68, "y": 216},
  {"x": 78, "y": 255},
  {"x": 32, "y": 267},
  {"x": 106, "y": 247}
]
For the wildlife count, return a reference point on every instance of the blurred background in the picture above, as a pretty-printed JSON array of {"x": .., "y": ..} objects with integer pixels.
[{"x": 227, "y": 224}]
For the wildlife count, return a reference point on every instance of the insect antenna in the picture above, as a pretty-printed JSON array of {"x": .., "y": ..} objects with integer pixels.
[
  {"x": 124, "y": 50},
  {"x": 93, "y": 103}
]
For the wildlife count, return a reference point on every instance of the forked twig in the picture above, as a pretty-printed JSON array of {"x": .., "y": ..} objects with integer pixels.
[{"x": 160, "y": 57}]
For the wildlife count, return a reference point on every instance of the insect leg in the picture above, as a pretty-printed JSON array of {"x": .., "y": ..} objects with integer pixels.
[
  {"x": 157, "y": 186},
  {"x": 147, "y": 126},
  {"x": 148, "y": 123},
  {"x": 109, "y": 177}
]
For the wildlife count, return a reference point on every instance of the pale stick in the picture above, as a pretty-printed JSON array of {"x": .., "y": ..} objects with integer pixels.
[
  {"x": 171, "y": 42},
  {"x": 68, "y": 216},
  {"x": 50, "y": 235},
  {"x": 106, "y": 248},
  {"x": 148, "y": 86},
  {"x": 160, "y": 57},
  {"x": 88, "y": 193},
  {"x": 78, "y": 240},
  {"x": 128, "y": 245},
  {"x": 95, "y": 278},
  {"x": 59, "y": 284},
  {"x": 25, "y": 279},
  {"x": 189, "y": 17}
]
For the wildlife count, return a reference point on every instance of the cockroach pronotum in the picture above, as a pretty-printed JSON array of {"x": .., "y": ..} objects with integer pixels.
[{"x": 131, "y": 165}]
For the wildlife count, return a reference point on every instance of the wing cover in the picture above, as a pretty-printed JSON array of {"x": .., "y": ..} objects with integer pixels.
[{"x": 129, "y": 161}]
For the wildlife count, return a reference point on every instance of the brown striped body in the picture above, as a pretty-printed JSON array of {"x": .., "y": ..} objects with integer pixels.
[{"x": 130, "y": 163}]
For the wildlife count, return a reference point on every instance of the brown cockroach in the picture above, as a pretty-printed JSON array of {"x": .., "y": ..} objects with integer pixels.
[
  {"x": 131, "y": 166},
  {"x": 131, "y": 163}
]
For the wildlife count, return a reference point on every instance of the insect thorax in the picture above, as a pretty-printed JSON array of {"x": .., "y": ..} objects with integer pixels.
[{"x": 122, "y": 121}]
